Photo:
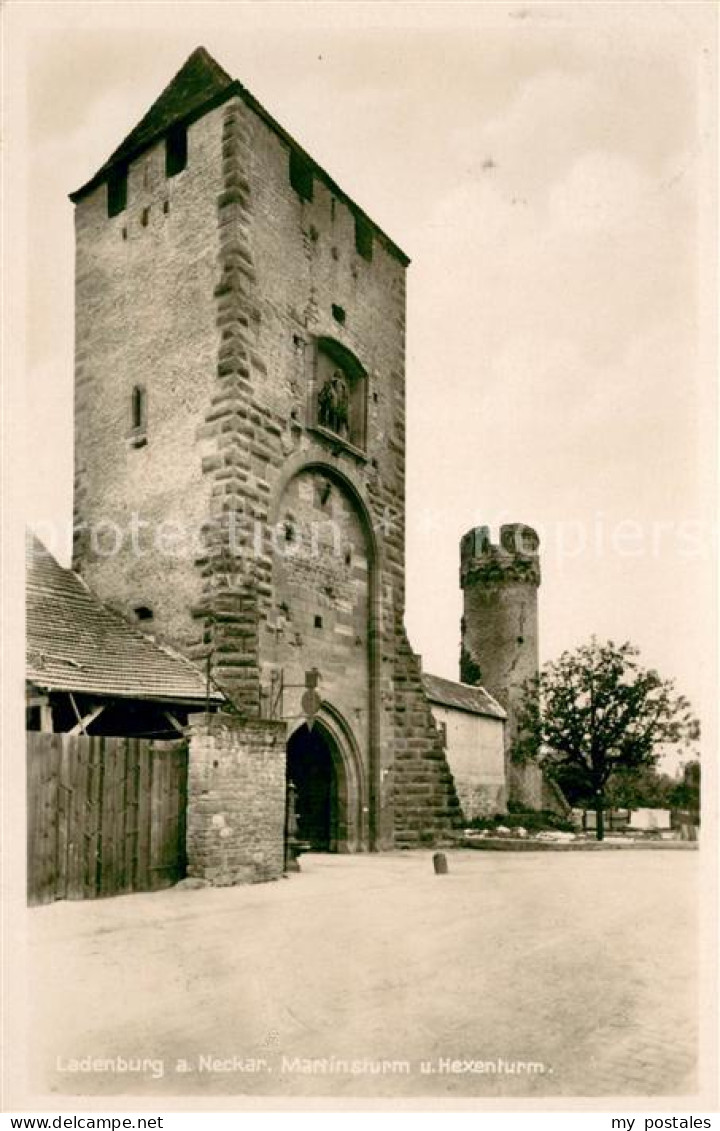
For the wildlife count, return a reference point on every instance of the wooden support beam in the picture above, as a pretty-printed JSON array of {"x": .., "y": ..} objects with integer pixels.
[
  {"x": 174, "y": 722},
  {"x": 84, "y": 722}
]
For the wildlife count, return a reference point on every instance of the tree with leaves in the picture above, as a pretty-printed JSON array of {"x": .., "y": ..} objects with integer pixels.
[
  {"x": 686, "y": 794},
  {"x": 595, "y": 713},
  {"x": 640, "y": 788}
]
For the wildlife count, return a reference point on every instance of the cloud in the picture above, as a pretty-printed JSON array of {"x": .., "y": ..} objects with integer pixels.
[{"x": 602, "y": 192}]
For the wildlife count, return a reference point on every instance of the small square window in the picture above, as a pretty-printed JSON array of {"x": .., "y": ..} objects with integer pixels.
[{"x": 318, "y": 622}]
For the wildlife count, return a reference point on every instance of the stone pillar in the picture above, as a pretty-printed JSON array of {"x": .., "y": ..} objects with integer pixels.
[
  {"x": 499, "y": 649},
  {"x": 236, "y": 799}
]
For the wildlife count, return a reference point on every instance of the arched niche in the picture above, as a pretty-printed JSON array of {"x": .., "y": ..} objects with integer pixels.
[{"x": 338, "y": 394}]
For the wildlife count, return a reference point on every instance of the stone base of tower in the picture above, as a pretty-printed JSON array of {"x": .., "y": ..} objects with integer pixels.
[
  {"x": 528, "y": 788},
  {"x": 525, "y": 787}
]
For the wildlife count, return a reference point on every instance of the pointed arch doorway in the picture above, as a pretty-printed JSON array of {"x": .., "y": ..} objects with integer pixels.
[
  {"x": 327, "y": 793},
  {"x": 312, "y": 771}
]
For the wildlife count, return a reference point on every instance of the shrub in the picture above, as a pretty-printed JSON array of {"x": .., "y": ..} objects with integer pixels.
[{"x": 534, "y": 820}]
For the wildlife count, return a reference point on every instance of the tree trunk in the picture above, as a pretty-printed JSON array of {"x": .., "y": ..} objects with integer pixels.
[{"x": 599, "y": 815}]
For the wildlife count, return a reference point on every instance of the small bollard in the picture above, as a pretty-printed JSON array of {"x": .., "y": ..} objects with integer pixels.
[{"x": 440, "y": 864}]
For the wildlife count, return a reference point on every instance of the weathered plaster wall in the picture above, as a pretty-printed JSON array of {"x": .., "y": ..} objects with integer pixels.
[{"x": 475, "y": 750}]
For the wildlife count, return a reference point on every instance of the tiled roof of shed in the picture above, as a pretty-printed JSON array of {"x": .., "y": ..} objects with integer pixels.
[
  {"x": 75, "y": 643},
  {"x": 462, "y": 696}
]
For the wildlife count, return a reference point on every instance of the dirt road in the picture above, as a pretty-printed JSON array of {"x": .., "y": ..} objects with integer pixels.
[{"x": 514, "y": 975}]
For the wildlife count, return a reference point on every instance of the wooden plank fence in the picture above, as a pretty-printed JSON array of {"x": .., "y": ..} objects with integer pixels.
[{"x": 105, "y": 815}]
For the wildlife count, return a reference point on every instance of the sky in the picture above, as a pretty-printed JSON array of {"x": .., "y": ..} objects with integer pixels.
[{"x": 549, "y": 170}]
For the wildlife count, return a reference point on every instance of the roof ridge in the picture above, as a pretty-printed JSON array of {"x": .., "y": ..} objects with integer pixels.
[
  {"x": 200, "y": 85},
  {"x": 443, "y": 685},
  {"x": 199, "y": 80}
]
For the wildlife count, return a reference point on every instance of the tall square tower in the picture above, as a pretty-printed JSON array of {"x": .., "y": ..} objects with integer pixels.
[{"x": 240, "y": 445}]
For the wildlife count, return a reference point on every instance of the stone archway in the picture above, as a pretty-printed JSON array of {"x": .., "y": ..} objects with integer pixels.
[
  {"x": 325, "y": 768},
  {"x": 315, "y": 773},
  {"x": 325, "y": 617}
]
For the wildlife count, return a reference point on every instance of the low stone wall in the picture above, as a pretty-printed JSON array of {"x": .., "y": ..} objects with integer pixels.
[
  {"x": 514, "y": 844},
  {"x": 236, "y": 799}
]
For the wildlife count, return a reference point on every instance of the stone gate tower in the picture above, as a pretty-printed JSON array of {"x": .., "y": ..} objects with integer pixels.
[
  {"x": 240, "y": 445},
  {"x": 499, "y": 633}
]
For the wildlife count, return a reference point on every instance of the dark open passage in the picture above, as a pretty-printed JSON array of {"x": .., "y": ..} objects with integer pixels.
[{"x": 311, "y": 769}]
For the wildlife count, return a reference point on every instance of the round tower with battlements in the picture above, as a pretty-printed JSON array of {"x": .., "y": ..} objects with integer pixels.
[{"x": 499, "y": 642}]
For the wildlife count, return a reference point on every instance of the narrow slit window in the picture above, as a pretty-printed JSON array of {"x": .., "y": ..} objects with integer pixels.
[
  {"x": 139, "y": 408},
  {"x": 363, "y": 238},
  {"x": 301, "y": 175},
  {"x": 117, "y": 192},
  {"x": 176, "y": 151}
]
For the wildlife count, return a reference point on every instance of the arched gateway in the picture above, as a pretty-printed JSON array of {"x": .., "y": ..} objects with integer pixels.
[{"x": 326, "y": 781}]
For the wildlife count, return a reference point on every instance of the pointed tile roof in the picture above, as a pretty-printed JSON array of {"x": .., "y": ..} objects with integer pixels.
[
  {"x": 199, "y": 86},
  {"x": 200, "y": 83},
  {"x": 75, "y": 643}
]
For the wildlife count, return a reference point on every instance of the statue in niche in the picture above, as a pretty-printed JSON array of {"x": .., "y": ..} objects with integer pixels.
[{"x": 334, "y": 405}]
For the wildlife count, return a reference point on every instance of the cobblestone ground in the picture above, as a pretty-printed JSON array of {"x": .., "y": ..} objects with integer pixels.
[{"x": 514, "y": 975}]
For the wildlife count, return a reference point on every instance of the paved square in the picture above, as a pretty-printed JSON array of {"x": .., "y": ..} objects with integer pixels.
[{"x": 514, "y": 975}]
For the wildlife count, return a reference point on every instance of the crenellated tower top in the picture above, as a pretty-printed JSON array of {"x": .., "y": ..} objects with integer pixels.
[{"x": 516, "y": 558}]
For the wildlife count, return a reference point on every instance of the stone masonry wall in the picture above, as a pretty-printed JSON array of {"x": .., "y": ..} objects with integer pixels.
[
  {"x": 236, "y": 799},
  {"x": 231, "y": 434},
  {"x": 500, "y": 647},
  {"x": 427, "y": 809},
  {"x": 313, "y": 284},
  {"x": 321, "y": 583},
  {"x": 145, "y": 314}
]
